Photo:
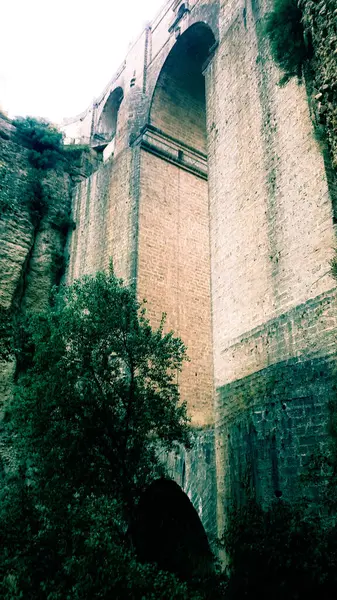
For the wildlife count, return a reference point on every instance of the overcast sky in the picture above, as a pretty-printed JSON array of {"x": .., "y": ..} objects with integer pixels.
[{"x": 57, "y": 55}]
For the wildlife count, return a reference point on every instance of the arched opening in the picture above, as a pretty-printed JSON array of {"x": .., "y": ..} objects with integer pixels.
[
  {"x": 167, "y": 530},
  {"x": 107, "y": 124},
  {"x": 179, "y": 101}
]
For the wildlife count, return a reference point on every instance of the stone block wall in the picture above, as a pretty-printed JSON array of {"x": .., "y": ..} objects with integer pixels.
[
  {"x": 174, "y": 270},
  {"x": 272, "y": 240},
  {"x": 272, "y": 415},
  {"x": 272, "y": 233},
  {"x": 270, "y": 441},
  {"x": 103, "y": 213}
]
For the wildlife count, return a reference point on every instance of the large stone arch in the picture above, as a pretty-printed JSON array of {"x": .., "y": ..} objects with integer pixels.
[
  {"x": 167, "y": 530},
  {"x": 193, "y": 47},
  {"x": 178, "y": 105}
]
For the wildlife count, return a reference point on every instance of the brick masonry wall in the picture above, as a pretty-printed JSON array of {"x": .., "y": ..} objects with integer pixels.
[
  {"x": 280, "y": 419},
  {"x": 272, "y": 239},
  {"x": 173, "y": 270},
  {"x": 103, "y": 213},
  {"x": 307, "y": 330},
  {"x": 272, "y": 234}
]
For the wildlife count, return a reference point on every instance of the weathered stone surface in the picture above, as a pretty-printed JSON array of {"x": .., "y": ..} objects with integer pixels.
[
  {"x": 194, "y": 471},
  {"x": 16, "y": 228},
  {"x": 31, "y": 247},
  {"x": 47, "y": 260}
]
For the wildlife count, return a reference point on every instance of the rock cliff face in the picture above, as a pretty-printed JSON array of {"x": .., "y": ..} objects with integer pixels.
[
  {"x": 32, "y": 238},
  {"x": 320, "y": 21},
  {"x": 31, "y": 245}
]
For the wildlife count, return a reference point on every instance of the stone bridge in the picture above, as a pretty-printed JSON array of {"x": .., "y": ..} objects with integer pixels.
[{"x": 212, "y": 198}]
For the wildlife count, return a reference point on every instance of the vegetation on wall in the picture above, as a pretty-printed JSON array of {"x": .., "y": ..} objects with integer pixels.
[
  {"x": 287, "y": 551},
  {"x": 49, "y": 159},
  {"x": 95, "y": 398},
  {"x": 285, "y": 31},
  {"x": 319, "y": 20},
  {"x": 302, "y": 35},
  {"x": 44, "y": 142}
]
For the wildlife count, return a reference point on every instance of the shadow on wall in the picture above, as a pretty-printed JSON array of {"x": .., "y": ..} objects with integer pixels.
[
  {"x": 178, "y": 105},
  {"x": 167, "y": 530}
]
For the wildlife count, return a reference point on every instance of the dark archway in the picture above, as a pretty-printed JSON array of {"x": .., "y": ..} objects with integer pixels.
[
  {"x": 167, "y": 530},
  {"x": 107, "y": 123},
  {"x": 179, "y": 101}
]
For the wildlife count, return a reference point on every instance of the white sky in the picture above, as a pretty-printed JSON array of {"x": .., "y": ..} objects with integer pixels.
[{"x": 57, "y": 55}]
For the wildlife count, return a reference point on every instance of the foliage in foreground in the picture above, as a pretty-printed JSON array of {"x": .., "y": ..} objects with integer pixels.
[
  {"x": 96, "y": 396},
  {"x": 285, "y": 552},
  {"x": 284, "y": 29}
]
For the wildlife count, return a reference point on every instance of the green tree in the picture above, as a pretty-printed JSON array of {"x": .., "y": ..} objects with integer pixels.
[
  {"x": 286, "y": 551},
  {"x": 95, "y": 401}
]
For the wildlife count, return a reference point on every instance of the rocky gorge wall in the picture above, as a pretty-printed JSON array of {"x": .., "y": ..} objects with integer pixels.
[
  {"x": 320, "y": 23},
  {"x": 35, "y": 206},
  {"x": 31, "y": 243}
]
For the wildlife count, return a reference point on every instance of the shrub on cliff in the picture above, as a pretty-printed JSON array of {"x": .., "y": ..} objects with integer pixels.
[
  {"x": 46, "y": 145},
  {"x": 43, "y": 140},
  {"x": 96, "y": 396}
]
